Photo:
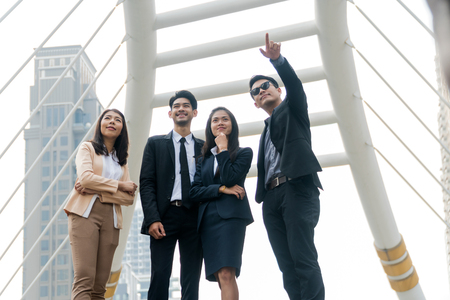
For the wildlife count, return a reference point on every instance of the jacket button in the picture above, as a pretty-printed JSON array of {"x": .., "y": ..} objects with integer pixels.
[
  {"x": 168, "y": 197},
  {"x": 173, "y": 177}
]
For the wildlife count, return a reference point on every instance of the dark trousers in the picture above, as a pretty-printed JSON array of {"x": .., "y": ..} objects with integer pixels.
[
  {"x": 291, "y": 211},
  {"x": 180, "y": 224}
]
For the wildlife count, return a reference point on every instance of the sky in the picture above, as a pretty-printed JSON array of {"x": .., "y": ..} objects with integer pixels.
[{"x": 350, "y": 266}]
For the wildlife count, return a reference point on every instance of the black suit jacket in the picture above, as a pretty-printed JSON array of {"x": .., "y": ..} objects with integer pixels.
[
  {"x": 205, "y": 187},
  {"x": 158, "y": 177},
  {"x": 290, "y": 133}
]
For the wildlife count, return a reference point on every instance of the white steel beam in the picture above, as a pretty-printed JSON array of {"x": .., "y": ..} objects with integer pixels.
[
  {"x": 141, "y": 54},
  {"x": 236, "y": 87},
  {"x": 338, "y": 63},
  {"x": 235, "y": 44},
  {"x": 326, "y": 161},
  {"x": 207, "y": 10},
  {"x": 254, "y": 128}
]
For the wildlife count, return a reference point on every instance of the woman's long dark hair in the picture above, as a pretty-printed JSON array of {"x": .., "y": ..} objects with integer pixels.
[
  {"x": 233, "y": 138},
  {"x": 121, "y": 143}
]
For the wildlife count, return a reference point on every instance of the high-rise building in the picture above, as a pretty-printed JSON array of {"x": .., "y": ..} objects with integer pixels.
[{"x": 56, "y": 281}]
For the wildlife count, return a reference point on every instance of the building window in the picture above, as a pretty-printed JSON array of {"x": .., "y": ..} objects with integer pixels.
[
  {"x": 43, "y": 228},
  {"x": 79, "y": 116},
  {"x": 44, "y": 276},
  {"x": 63, "y": 155},
  {"x": 54, "y": 155},
  {"x": 66, "y": 171},
  {"x": 45, "y": 171},
  {"x": 62, "y": 61},
  {"x": 66, "y": 245},
  {"x": 62, "y": 259},
  {"x": 45, "y": 215},
  {"x": 52, "y": 62},
  {"x": 45, "y": 141},
  {"x": 55, "y": 116},
  {"x": 44, "y": 291},
  {"x": 48, "y": 117},
  {"x": 63, "y": 185},
  {"x": 45, "y": 185},
  {"x": 46, "y": 201},
  {"x": 64, "y": 141},
  {"x": 62, "y": 216},
  {"x": 46, "y": 156},
  {"x": 41, "y": 63},
  {"x": 62, "y": 114},
  {"x": 44, "y": 260},
  {"x": 63, "y": 229},
  {"x": 44, "y": 245},
  {"x": 63, "y": 274},
  {"x": 62, "y": 290},
  {"x": 61, "y": 199}
]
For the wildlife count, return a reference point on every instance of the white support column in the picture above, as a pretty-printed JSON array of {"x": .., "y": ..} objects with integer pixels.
[
  {"x": 141, "y": 54},
  {"x": 338, "y": 64}
]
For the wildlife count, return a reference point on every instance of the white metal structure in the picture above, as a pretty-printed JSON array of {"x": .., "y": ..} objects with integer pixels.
[
  {"x": 444, "y": 126},
  {"x": 330, "y": 27}
]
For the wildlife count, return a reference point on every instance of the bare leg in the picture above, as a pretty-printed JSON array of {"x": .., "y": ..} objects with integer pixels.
[{"x": 226, "y": 277}]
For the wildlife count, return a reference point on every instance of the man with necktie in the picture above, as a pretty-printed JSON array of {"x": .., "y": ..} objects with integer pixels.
[{"x": 168, "y": 168}]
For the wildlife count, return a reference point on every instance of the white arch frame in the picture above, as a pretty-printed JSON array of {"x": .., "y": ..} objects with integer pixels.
[{"x": 332, "y": 31}]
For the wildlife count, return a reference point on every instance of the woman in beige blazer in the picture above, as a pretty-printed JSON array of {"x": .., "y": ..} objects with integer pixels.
[{"x": 94, "y": 209}]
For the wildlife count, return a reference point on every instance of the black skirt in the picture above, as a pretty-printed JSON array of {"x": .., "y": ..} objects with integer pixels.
[{"x": 222, "y": 241}]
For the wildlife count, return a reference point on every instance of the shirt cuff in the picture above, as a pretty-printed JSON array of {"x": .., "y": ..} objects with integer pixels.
[{"x": 278, "y": 62}]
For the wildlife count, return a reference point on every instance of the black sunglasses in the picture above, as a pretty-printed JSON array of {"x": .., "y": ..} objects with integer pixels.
[{"x": 263, "y": 86}]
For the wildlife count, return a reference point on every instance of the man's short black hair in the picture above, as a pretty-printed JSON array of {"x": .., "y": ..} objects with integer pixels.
[
  {"x": 255, "y": 78},
  {"x": 183, "y": 94}
]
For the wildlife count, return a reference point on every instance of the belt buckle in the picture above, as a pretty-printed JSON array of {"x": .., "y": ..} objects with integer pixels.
[
  {"x": 278, "y": 181},
  {"x": 178, "y": 203}
]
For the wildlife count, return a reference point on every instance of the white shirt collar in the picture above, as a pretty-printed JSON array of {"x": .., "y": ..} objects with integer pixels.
[
  {"x": 214, "y": 150},
  {"x": 177, "y": 137}
]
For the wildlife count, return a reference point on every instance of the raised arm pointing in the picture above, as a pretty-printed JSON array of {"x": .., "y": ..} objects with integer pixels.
[{"x": 272, "y": 49}]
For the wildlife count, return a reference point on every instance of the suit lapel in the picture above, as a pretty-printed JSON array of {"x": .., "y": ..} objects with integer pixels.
[
  {"x": 197, "y": 149},
  {"x": 261, "y": 148},
  {"x": 209, "y": 169},
  {"x": 170, "y": 147}
]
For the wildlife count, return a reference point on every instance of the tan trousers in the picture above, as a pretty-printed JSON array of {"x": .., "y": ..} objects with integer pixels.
[{"x": 93, "y": 242}]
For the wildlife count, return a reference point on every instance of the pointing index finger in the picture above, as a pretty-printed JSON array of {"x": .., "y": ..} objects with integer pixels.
[{"x": 267, "y": 40}]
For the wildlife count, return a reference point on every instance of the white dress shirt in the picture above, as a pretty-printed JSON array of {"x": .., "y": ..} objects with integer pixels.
[
  {"x": 111, "y": 170},
  {"x": 190, "y": 151},
  {"x": 216, "y": 164}
]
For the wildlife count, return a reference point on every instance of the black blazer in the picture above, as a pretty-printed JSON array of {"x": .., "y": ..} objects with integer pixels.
[
  {"x": 290, "y": 133},
  {"x": 158, "y": 177},
  {"x": 205, "y": 187}
]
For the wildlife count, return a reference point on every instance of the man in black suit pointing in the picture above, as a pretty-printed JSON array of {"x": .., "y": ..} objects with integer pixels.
[
  {"x": 168, "y": 168},
  {"x": 287, "y": 178}
]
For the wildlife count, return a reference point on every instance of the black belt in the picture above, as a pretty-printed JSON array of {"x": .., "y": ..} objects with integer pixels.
[
  {"x": 277, "y": 181},
  {"x": 175, "y": 202}
]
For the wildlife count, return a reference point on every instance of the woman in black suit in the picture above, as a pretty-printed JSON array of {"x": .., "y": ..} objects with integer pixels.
[{"x": 224, "y": 211}]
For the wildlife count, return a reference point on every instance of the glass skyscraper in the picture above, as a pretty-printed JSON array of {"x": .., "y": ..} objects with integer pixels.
[{"x": 56, "y": 281}]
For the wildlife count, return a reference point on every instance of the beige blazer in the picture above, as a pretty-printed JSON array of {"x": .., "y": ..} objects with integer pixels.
[{"x": 89, "y": 173}]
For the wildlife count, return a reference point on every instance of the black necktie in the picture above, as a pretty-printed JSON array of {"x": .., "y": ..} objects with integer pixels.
[{"x": 185, "y": 178}]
